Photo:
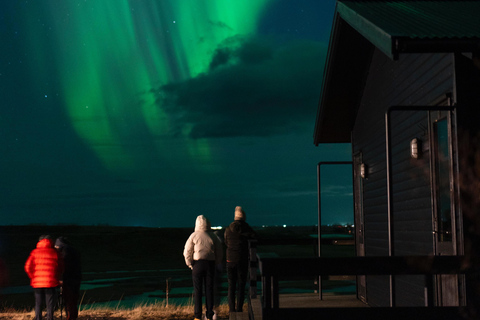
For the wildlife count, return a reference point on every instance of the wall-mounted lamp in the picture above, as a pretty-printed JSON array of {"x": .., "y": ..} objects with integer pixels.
[
  {"x": 363, "y": 170},
  {"x": 415, "y": 148}
]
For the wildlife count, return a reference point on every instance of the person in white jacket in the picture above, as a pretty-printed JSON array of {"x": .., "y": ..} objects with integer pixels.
[{"x": 203, "y": 250}]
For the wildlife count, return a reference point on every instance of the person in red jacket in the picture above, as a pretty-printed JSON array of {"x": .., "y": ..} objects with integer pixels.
[{"x": 44, "y": 267}]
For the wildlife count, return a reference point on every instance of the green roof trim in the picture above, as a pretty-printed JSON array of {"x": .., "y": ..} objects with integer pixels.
[
  {"x": 390, "y": 24},
  {"x": 373, "y": 33}
]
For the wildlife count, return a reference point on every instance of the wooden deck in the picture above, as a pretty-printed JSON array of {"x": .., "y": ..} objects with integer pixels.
[
  {"x": 308, "y": 306},
  {"x": 239, "y": 316},
  {"x": 271, "y": 305},
  {"x": 308, "y": 300}
]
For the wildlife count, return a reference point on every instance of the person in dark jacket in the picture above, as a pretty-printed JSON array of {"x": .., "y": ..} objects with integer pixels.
[
  {"x": 236, "y": 239},
  {"x": 72, "y": 276},
  {"x": 44, "y": 267}
]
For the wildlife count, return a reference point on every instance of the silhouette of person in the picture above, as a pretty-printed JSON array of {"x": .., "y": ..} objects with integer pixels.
[
  {"x": 72, "y": 276},
  {"x": 203, "y": 250},
  {"x": 236, "y": 239}
]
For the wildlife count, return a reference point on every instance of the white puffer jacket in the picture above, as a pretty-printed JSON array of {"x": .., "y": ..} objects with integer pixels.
[{"x": 202, "y": 244}]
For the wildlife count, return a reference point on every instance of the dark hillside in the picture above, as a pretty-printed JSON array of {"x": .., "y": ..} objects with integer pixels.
[
  {"x": 102, "y": 248},
  {"x": 120, "y": 262}
]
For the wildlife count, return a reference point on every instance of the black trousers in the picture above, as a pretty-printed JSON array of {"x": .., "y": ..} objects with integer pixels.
[
  {"x": 47, "y": 294},
  {"x": 203, "y": 276},
  {"x": 71, "y": 293},
  {"x": 237, "y": 279}
]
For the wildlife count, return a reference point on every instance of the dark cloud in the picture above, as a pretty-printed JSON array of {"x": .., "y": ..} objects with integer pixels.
[
  {"x": 220, "y": 24},
  {"x": 253, "y": 88},
  {"x": 239, "y": 50}
]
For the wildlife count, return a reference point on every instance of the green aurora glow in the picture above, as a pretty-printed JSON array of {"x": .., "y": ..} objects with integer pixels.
[
  {"x": 149, "y": 112},
  {"x": 109, "y": 53}
]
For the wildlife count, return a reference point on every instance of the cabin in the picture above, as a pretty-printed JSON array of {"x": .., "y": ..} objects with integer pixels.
[{"x": 402, "y": 85}]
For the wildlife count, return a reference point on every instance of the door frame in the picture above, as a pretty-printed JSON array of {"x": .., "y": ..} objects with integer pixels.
[
  {"x": 447, "y": 287},
  {"x": 359, "y": 219},
  {"x": 390, "y": 208}
]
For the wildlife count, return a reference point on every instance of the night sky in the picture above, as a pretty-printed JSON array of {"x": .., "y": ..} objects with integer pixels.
[{"x": 151, "y": 112}]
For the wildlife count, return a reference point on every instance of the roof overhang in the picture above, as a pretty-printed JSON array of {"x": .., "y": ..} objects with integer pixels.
[{"x": 394, "y": 28}]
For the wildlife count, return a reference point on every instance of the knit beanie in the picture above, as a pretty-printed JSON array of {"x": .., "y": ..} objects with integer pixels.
[{"x": 239, "y": 213}]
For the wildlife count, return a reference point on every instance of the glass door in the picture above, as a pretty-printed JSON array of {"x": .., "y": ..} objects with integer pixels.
[{"x": 443, "y": 193}]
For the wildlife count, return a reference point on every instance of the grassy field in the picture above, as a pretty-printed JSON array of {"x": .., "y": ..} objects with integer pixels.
[{"x": 141, "y": 312}]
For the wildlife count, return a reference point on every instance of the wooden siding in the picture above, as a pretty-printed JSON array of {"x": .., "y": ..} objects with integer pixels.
[{"x": 414, "y": 79}]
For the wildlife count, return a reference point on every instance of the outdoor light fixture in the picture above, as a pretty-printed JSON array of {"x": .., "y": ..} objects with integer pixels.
[
  {"x": 363, "y": 170},
  {"x": 415, "y": 148}
]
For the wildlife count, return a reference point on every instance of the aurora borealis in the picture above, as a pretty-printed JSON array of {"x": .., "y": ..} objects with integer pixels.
[{"x": 150, "y": 112}]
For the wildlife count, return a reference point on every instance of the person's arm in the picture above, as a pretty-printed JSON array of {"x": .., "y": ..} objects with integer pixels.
[
  {"x": 251, "y": 233},
  {"x": 29, "y": 266},
  {"x": 248, "y": 232},
  {"x": 226, "y": 236},
  {"x": 188, "y": 252}
]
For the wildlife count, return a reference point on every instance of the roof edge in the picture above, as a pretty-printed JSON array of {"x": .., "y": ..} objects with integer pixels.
[
  {"x": 408, "y": 45},
  {"x": 377, "y": 36}
]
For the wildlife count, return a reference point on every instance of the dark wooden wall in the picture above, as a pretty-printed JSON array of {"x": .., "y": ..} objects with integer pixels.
[{"x": 414, "y": 79}]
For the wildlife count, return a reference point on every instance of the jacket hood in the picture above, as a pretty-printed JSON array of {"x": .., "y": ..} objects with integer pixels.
[
  {"x": 202, "y": 224},
  {"x": 45, "y": 243}
]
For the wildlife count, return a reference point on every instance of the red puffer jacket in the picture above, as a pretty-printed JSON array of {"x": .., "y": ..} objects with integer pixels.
[{"x": 44, "y": 265}]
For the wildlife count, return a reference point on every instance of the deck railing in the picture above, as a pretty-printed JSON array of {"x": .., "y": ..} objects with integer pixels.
[
  {"x": 254, "y": 277},
  {"x": 274, "y": 269}
]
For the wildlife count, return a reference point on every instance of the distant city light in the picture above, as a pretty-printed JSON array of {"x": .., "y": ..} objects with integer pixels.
[
  {"x": 284, "y": 225},
  {"x": 217, "y": 228}
]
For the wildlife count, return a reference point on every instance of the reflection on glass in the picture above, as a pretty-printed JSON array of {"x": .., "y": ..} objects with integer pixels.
[{"x": 442, "y": 159}]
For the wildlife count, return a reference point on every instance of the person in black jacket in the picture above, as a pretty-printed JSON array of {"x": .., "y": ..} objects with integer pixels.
[
  {"x": 236, "y": 240},
  {"x": 72, "y": 276}
]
